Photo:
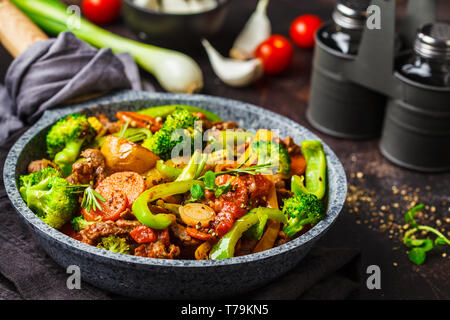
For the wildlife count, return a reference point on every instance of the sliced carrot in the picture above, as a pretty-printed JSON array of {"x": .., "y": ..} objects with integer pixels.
[
  {"x": 194, "y": 233},
  {"x": 298, "y": 164},
  {"x": 120, "y": 190},
  {"x": 128, "y": 182},
  {"x": 116, "y": 203},
  {"x": 139, "y": 120}
]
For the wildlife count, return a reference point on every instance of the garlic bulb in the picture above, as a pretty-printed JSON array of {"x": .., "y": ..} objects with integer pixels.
[
  {"x": 256, "y": 30},
  {"x": 235, "y": 73}
]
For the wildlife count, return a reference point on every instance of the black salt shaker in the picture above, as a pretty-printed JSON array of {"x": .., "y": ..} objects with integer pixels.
[
  {"x": 339, "y": 106},
  {"x": 416, "y": 131},
  {"x": 430, "y": 62}
]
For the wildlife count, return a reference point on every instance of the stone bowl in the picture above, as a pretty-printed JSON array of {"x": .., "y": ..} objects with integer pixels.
[{"x": 162, "y": 278}]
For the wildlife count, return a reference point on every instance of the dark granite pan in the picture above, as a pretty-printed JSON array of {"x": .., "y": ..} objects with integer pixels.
[{"x": 160, "y": 278}]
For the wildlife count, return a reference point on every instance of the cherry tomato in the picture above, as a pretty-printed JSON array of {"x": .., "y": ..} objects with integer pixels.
[
  {"x": 101, "y": 11},
  {"x": 276, "y": 53},
  {"x": 143, "y": 234},
  {"x": 303, "y": 30}
]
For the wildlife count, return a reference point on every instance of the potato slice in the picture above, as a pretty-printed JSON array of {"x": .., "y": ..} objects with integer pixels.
[
  {"x": 123, "y": 155},
  {"x": 194, "y": 214}
]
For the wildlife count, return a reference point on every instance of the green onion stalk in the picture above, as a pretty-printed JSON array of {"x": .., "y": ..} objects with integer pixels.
[{"x": 175, "y": 71}]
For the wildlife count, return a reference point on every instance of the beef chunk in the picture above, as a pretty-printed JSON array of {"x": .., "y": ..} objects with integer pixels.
[
  {"x": 289, "y": 144},
  {"x": 157, "y": 249},
  {"x": 39, "y": 165},
  {"x": 91, "y": 168},
  {"x": 92, "y": 233},
  {"x": 111, "y": 127},
  {"x": 180, "y": 233}
]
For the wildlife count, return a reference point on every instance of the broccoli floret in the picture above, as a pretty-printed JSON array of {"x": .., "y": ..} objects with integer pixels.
[
  {"x": 163, "y": 141},
  {"x": 65, "y": 139},
  {"x": 301, "y": 210},
  {"x": 49, "y": 196},
  {"x": 34, "y": 178},
  {"x": 79, "y": 223},
  {"x": 115, "y": 244},
  {"x": 271, "y": 152}
]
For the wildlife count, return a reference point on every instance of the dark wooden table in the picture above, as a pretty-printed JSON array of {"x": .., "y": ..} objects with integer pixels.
[{"x": 379, "y": 192}]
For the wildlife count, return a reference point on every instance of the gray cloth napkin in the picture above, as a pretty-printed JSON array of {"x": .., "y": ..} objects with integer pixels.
[{"x": 57, "y": 70}]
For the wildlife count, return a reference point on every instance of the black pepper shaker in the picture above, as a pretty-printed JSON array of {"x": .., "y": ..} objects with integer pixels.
[
  {"x": 416, "y": 132},
  {"x": 339, "y": 106},
  {"x": 344, "y": 34},
  {"x": 430, "y": 62}
]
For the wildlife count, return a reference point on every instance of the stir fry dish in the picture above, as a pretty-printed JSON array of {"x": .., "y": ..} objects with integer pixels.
[{"x": 175, "y": 182}]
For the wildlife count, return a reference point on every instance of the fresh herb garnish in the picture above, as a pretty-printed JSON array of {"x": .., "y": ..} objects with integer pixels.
[
  {"x": 90, "y": 200},
  {"x": 123, "y": 129},
  {"x": 249, "y": 170},
  {"x": 210, "y": 180},
  {"x": 419, "y": 247},
  {"x": 91, "y": 197},
  {"x": 224, "y": 188},
  {"x": 210, "y": 184},
  {"x": 197, "y": 193}
]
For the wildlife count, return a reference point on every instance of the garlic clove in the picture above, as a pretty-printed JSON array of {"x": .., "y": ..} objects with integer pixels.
[
  {"x": 235, "y": 73},
  {"x": 256, "y": 30}
]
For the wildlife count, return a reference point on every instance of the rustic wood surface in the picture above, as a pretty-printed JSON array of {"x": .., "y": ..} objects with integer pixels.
[{"x": 379, "y": 192}]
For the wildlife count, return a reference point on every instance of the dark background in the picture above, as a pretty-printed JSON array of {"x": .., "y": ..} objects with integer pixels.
[{"x": 371, "y": 177}]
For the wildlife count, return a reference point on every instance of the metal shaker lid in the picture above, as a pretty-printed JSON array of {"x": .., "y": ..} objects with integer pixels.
[
  {"x": 351, "y": 14},
  {"x": 433, "y": 41}
]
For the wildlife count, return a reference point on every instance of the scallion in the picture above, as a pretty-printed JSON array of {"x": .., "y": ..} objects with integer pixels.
[{"x": 175, "y": 71}]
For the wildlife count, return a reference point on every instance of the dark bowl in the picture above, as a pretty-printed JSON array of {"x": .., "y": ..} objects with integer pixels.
[
  {"x": 162, "y": 278},
  {"x": 174, "y": 30}
]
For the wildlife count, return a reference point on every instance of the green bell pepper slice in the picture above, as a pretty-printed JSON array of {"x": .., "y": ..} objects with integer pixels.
[
  {"x": 164, "y": 111},
  {"x": 316, "y": 167},
  {"x": 194, "y": 167},
  {"x": 159, "y": 221},
  {"x": 168, "y": 171},
  {"x": 298, "y": 185},
  {"x": 256, "y": 231},
  {"x": 224, "y": 249}
]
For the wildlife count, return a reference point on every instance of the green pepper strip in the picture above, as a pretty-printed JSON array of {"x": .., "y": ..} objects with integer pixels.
[
  {"x": 159, "y": 221},
  {"x": 298, "y": 185},
  {"x": 316, "y": 167},
  {"x": 224, "y": 249},
  {"x": 164, "y": 111},
  {"x": 256, "y": 231},
  {"x": 191, "y": 168},
  {"x": 167, "y": 171}
]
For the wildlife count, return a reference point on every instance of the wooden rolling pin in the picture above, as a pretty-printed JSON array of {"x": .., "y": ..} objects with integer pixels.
[{"x": 17, "y": 31}]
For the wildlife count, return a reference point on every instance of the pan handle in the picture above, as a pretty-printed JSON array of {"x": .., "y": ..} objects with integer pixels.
[{"x": 17, "y": 31}]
